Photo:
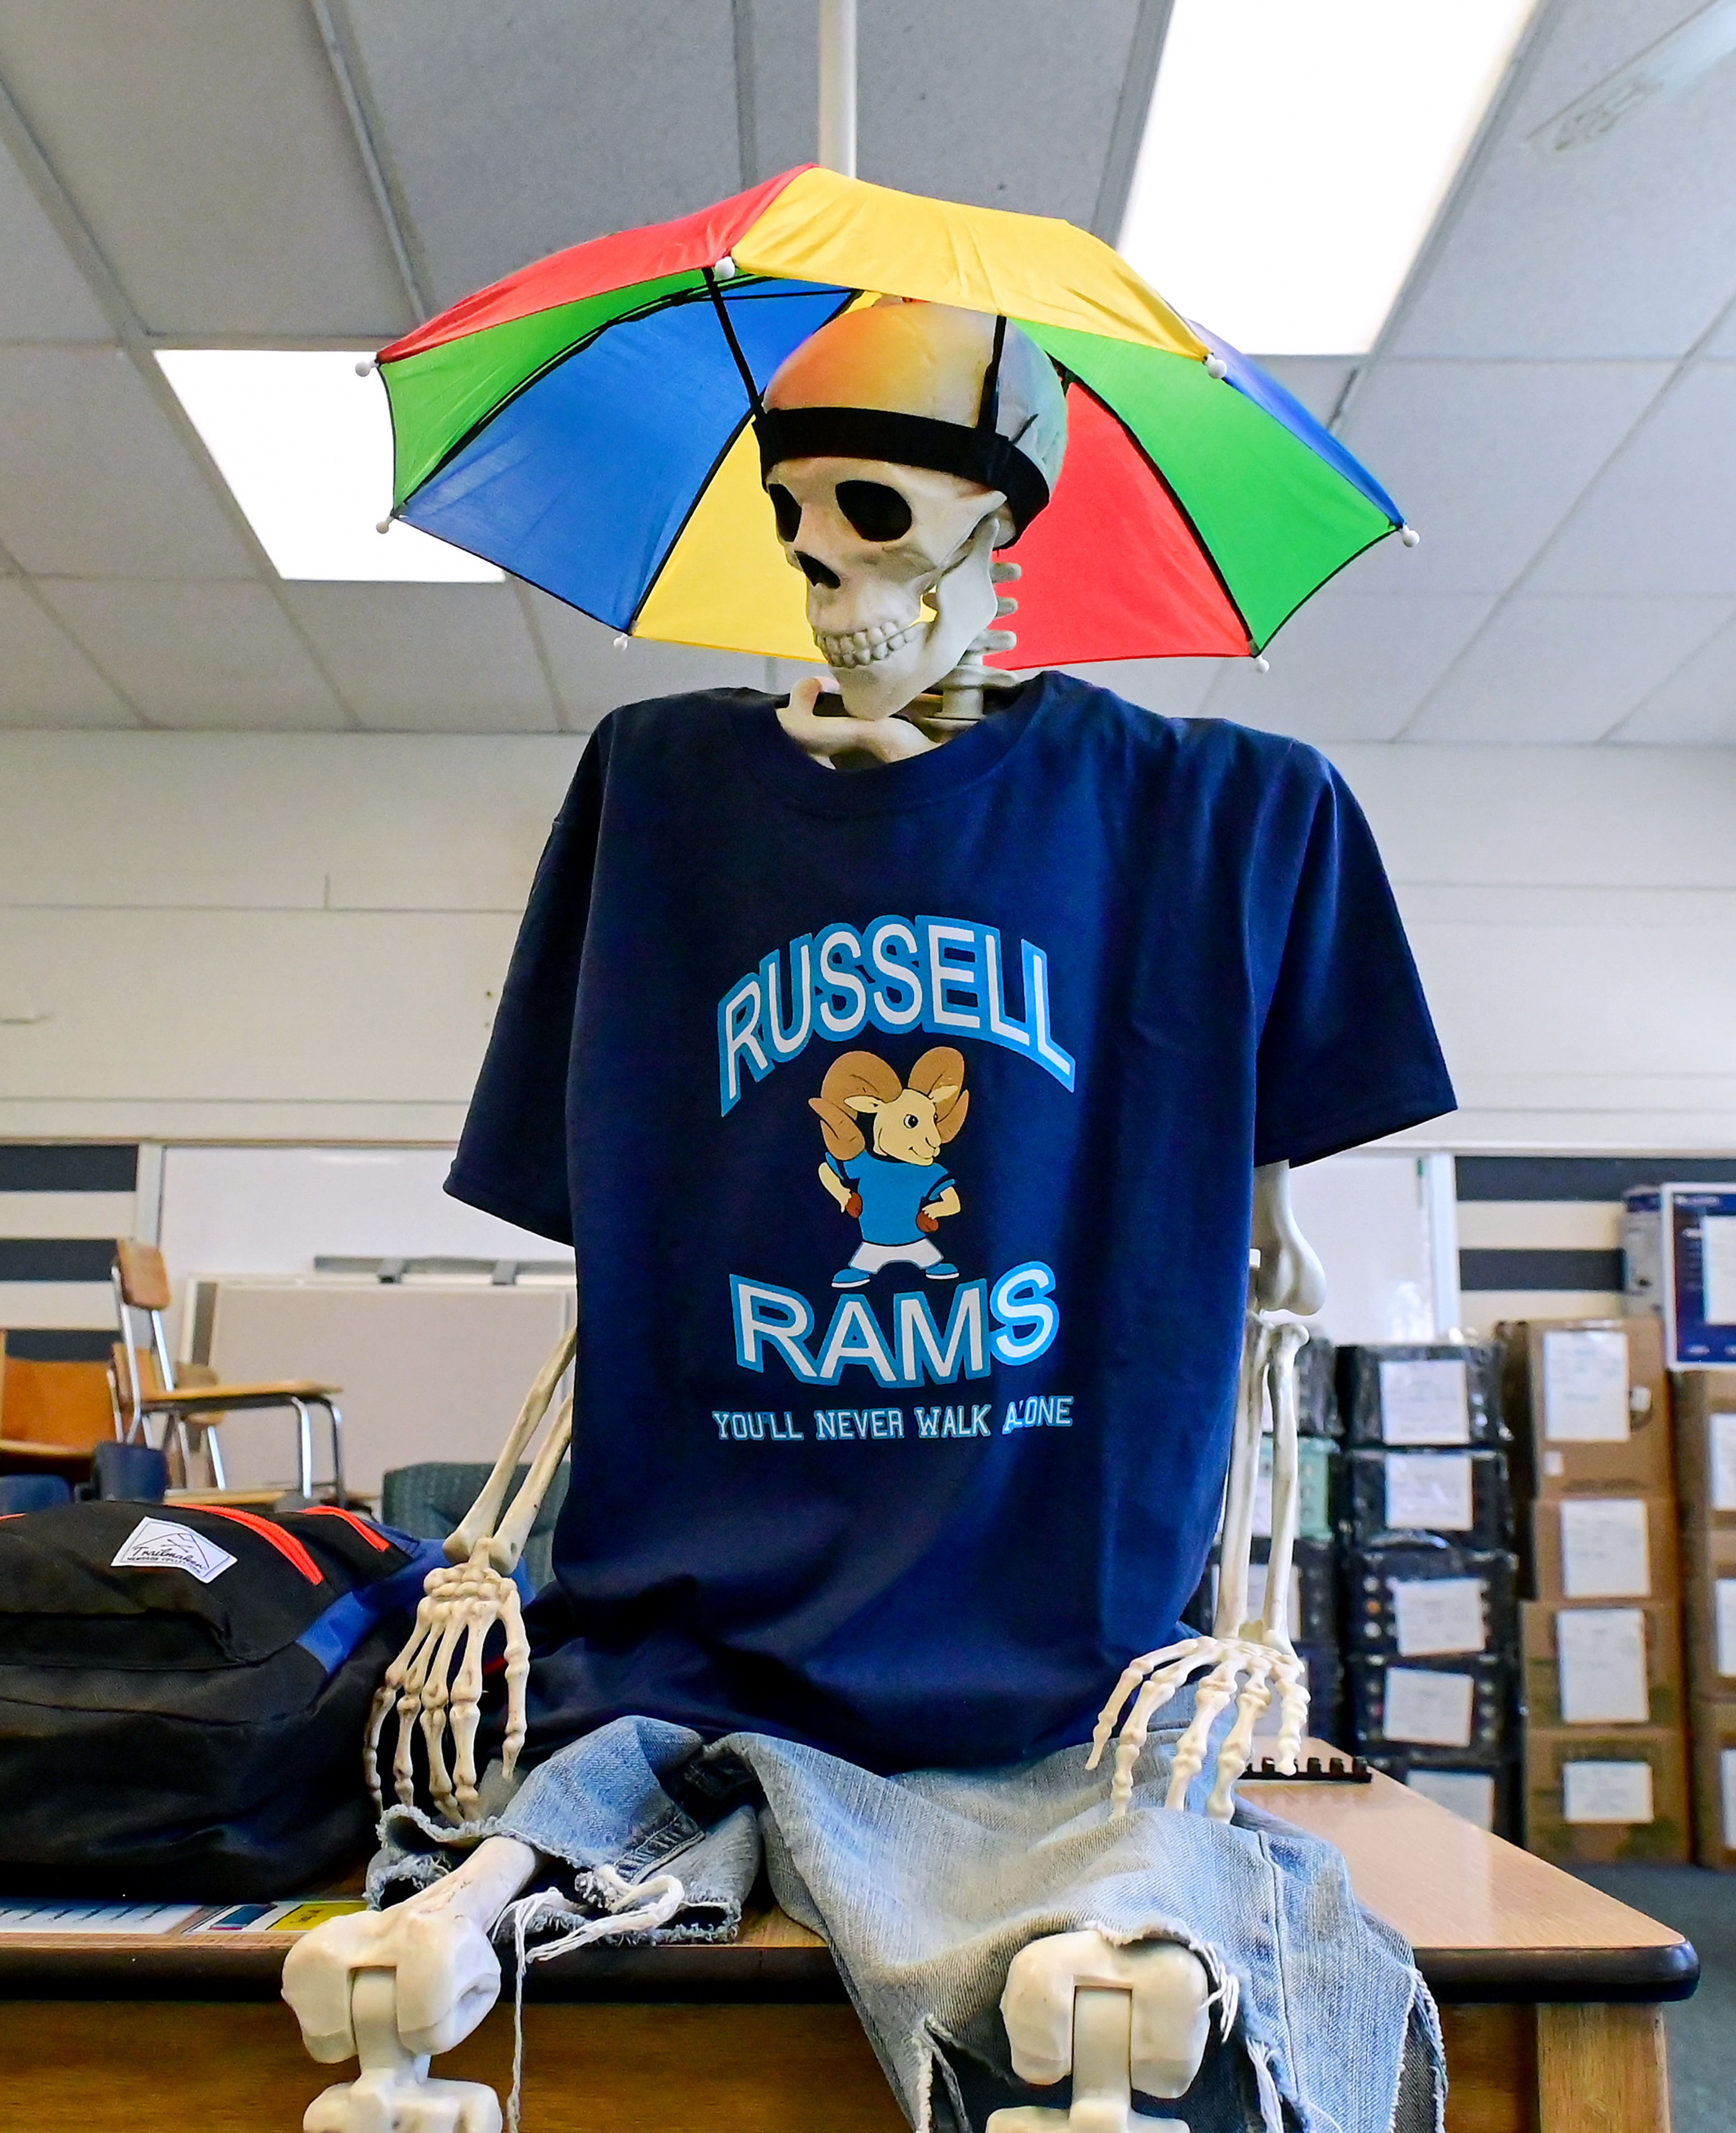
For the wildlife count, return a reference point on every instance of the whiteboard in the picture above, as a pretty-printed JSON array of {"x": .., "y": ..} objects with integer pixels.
[{"x": 1368, "y": 1215}]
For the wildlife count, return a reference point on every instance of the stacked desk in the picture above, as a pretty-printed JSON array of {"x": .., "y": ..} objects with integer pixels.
[{"x": 1551, "y": 1996}]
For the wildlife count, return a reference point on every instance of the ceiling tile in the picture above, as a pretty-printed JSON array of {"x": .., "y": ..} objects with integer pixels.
[
  {"x": 208, "y": 150},
  {"x": 1173, "y": 688},
  {"x": 1662, "y": 518},
  {"x": 1349, "y": 666},
  {"x": 1554, "y": 667},
  {"x": 95, "y": 481},
  {"x": 595, "y": 675},
  {"x": 414, "y": 658},
  {"x": 1626, "y": 247},
  {"x": 1004, "y": 103},
  {"x": 1485, "y": 459},
  {"x": 1696, "y": 705},
  {"x": 511, "y": 143},
  {"x": 44, "y": 679},
  {"x": 43, "y": 297},
  {"x": 219, "y": 656}
]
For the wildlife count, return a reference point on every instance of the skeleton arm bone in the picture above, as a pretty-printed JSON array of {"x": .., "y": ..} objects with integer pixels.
[
  {"x": 1256, "y": 1653},
  {"x": 479, "y": 1522}
]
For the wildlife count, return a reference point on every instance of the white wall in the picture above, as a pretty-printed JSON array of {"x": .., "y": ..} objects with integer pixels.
[{"x": 299, "y": 937}]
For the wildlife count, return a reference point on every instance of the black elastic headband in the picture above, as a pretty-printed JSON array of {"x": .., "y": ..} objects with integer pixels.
[{"x": 914, "y": 440}]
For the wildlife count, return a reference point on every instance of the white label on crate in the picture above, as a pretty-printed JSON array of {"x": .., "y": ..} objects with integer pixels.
[
  {"x": 1586, "y": 1388},
  {"x": 1430, "y": 1491},
  {"x": 1727, "y": 1786},
  {"x": 1606, "y": 1792},
  {"x": 1604, "y": 1552},
  {"x": 1722, "y": 1427},
  {"x": 1600, "y": 1654},
  {"x": 1724, "y": 1610},
  {"x": 1717, "y": 1265},
  {"x": 1436, "y": 1615},
  {"x": 1425, "y": 1402},
  {"x": 1432, "y": 1709},
  {"x": 1470, "y": 1794},
  {"x": 155, "y": 1544}
]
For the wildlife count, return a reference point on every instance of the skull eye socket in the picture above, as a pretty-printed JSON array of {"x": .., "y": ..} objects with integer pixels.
[
  {"x": 875, "y": 511},
  {"x": 787, "y": 510}
]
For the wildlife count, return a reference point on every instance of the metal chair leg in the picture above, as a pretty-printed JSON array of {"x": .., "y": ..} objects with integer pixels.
[
  {"x": 336, "y": 1421},
  {"x": 304, "y": 1447},
  {"x": 214, "y": 1452}
]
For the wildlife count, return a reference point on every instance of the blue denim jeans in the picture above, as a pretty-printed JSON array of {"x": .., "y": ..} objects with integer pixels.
[{"x": 926, "y": 1885}]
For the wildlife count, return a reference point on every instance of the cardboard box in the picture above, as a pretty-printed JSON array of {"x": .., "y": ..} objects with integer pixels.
[
  {"x": 1590, "y": 1406},
  {"x": 1603, "y": 1665},
  {"x": 1709, "y": 1611},
  {"x": 1712, "y": 1727},
  {"x": 1594, "y": 1798},
  {"x": 1704, "y": 1405},
  {"x": 1605, "y": 1547}
]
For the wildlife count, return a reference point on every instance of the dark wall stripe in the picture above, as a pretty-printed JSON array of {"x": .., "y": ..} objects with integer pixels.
[
  {"x": 25, "y": 1167},
  {"x": 55, "y": 1259},
  {"x": 1583, "y": 1177},
  {"x": 1540, "y": 1269},
  {"x": 43, "y": 1345}
]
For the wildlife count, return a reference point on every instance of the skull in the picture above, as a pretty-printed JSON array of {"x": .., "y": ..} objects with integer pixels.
[
  {"x": 882, "y": 438},
  {"x": 896, "y": 559}
]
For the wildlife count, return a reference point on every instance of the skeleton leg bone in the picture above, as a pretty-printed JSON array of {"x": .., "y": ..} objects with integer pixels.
[
  {"x": 1116, "y": 2018},
  {"x": 395, "y": 1987}
]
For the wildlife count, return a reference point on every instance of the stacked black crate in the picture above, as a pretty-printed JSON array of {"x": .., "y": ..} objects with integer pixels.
[
  {"x": 1431, "y": 1629},
  {"x": 1314, "y": 1599}
]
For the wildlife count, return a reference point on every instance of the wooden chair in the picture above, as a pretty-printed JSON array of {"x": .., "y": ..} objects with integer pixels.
[
  {"x": 141, "y": 1283},
  {"x": 50, "y": 1415}
]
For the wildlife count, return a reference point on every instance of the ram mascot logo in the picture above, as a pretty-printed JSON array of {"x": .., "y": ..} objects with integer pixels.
[{"x": 884, "y": 1138}]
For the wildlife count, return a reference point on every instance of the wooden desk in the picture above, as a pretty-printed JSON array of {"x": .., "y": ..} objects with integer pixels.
[{"x": 1550, "y": 1995}]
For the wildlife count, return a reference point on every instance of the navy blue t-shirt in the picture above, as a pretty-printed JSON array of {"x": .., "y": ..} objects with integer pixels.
[{"x": 918, "y": 1501}]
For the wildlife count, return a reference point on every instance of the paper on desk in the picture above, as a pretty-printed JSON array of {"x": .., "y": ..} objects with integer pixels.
[
  {"x": 69, "y": 1920},
  {"x": 1438, "y": 1616},
  {"x": 1724, "y": 1459},
  {"x": 297, "y": 1914},
  {"x": 1604, "y": 1550},
  {"x": 1433, "y": 1709},
  {"x": 1586, "y": 1388},
  {"x": 1718, "y": 1265},
  {"x": 1425, "y": 1402},
  {"x": 1430, "y": 1491},
  {"x": 1606, "y": 1792},
  {"x": 1470, "y": 1794},
  {"x": 1600, "y": 1655}
]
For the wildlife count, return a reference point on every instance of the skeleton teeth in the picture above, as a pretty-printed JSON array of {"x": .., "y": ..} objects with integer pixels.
[{"x": 865, "y": 648}]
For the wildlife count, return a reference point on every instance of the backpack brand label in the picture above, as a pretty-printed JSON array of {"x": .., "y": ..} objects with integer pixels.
[{"x": 155, "y": 1544}]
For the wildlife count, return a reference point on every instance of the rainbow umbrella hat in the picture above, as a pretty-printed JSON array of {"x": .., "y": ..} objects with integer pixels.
[{"x": 584, "y": 424}]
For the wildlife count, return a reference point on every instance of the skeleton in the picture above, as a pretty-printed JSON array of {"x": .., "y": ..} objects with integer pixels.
[
  {"x": 903, "y": 596},
  {"x": 437, "y": 1678}
]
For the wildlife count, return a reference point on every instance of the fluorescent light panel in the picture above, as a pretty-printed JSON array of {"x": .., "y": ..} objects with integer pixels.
[
  {"x": 1296, "y": 152},
  {"x": 306, "y": 445}
]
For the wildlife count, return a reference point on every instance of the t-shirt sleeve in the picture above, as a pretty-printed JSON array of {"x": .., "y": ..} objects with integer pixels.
[
  {"x": 511, "y": 1155},
  {"x": 1347, "y": 1051}
]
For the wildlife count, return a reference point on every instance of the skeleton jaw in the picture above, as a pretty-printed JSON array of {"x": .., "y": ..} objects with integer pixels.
[{"x": 863, "y": 648}]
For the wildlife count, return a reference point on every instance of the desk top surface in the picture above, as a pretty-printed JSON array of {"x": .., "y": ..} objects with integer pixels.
[{"x": 1487, "y": 1921}]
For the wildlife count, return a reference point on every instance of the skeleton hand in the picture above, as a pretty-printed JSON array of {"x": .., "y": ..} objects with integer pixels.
[
  {"x": 1262, "y": 1659},
  {"x": 441, "y": 1668}
]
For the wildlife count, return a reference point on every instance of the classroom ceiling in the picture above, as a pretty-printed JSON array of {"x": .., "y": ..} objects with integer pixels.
[{"x": 1553, "y": 402}]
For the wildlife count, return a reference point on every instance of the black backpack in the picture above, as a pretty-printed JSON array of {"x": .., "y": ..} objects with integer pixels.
[{"x": 183, "y": 1692}]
